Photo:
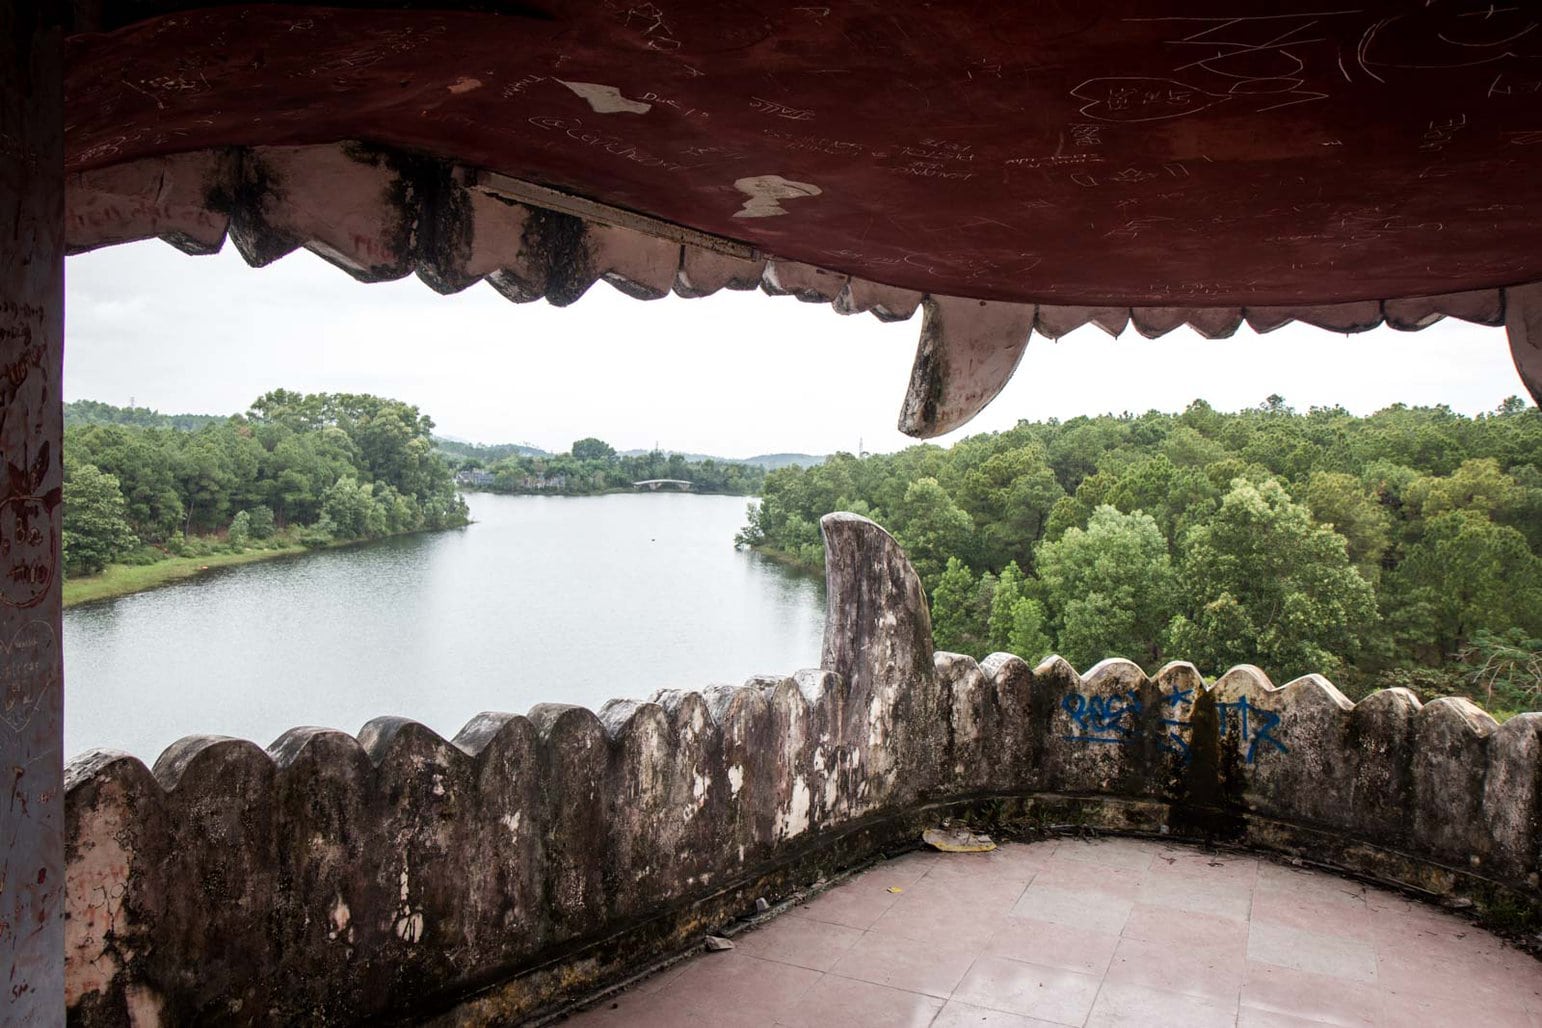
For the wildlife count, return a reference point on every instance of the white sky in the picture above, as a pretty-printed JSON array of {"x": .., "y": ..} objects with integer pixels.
[{"x": 735, "y": 374}]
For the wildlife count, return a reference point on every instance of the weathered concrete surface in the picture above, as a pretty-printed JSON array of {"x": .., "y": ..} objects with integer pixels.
[
  {"x": 966, "y": 355},
  {"x": 534, "y": 859},
  {"x": 1523, "y": 320},
  {"x": 31, "y": 421},
  {"x": 381, "y": 213}
]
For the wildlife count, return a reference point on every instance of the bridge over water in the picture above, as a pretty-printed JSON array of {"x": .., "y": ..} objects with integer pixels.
[{"x": 654, "y": 484}]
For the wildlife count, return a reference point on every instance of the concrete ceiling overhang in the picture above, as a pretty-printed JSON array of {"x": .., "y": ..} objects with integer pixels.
[{"x": 1020, "y": 166}]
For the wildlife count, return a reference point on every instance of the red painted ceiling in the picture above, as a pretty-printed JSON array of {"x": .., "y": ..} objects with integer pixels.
[{"x": 1162, "y": 152}]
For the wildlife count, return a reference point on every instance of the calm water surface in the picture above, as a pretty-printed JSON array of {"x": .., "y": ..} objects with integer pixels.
[{"x": 570, "y": 599}]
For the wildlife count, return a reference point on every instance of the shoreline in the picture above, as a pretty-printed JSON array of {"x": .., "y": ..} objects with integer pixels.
[
  {"x": 785, "y": 559},
  {"x": 120, "y": 580}
]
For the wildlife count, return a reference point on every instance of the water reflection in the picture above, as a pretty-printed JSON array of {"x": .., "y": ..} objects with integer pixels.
[{"x": 543, "y": 599}]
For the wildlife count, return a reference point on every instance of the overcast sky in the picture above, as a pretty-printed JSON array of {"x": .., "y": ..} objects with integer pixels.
[{"x": 734, "y": 374}]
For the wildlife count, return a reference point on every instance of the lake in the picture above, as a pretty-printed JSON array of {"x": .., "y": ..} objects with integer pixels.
[{"x": 543, "y": 599}]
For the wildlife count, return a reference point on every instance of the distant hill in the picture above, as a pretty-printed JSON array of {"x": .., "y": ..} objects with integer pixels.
[
  {"x": 769, "y": 461},
  {"x": 94, "y": 412},
  {"x": 458, "y": 449},
  {"x": 772, "y": 461}
]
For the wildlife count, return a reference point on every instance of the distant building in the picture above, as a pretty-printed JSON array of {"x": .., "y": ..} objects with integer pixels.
[{"x": 473, "y": 478}]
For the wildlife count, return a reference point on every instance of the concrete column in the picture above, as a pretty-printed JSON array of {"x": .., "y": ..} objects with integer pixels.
[{"x": 31, "y": 423}]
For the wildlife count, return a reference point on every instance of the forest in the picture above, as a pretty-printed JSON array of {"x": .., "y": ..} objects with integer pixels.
[
  {"x": 1402, "y": 548},
  {"x": 593, "y": 466},
  {"x": 307, "y": 469}
]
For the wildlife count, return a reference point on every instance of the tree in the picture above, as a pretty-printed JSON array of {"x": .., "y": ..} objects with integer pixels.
[
  {"x": 1264, "y": 584},
  {"x": 260, "y": 518},
  {"x": 931, "y": 528},
  {"x": 240, "y": 532},
  {"x": 591, "y": 448},
  {"x": 1338, "y": 501},
  {"x": 96, "y": 531},
  {"x": 1028, "y": 638},
  {"x": 953, "y": 626},
  {"x": 1009, "y": 590},
  {"x": 1010, "y": 496},
  {"x": 1109, "y": 588},
  {"x": 1464, "y": 575}
]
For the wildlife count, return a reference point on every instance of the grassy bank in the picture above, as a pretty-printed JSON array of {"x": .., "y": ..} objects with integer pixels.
[
  {"x": 123, "y": 579},
  {"x": 787, "y": 560}
]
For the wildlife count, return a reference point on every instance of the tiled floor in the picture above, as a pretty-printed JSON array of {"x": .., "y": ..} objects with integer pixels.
[{"x": 1110, "y": 932}]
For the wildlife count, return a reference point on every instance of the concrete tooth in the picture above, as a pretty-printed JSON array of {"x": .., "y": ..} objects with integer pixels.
[
  {"x": 1512, "y": 794},
  {"x": 161, "y": 196},
  {"x": 484, "y": 730},
  {"x": 806, "y": 282},
  {"x": 1411, "y": 313},
  {"x": 875, "y": 604},
  {"x": 1156, "y": 322},
  {"x": 703, "y": 272},
  {"x": 967, "y": 352},
  {"x": 465, "y": 235},
  {"x": 1054, "y": 321},
  {"x": 313, "y": 744},
  {"x": 347, "y": 203},
  {"x": 1449, "y": 767},
  {"x": 1382, "y": 726},
  {"x": 207, "y": 750},
  {"x": 1523, "y": 322},
  {"x": 553, "y": 260},
  {"x": 1216, "y": 322},
  {"x": 641, "y": 266},
  {"x": 888, "y": 303},
  {"x": 1361, "y": 316},
  {"x": 1210, "y": 322}
]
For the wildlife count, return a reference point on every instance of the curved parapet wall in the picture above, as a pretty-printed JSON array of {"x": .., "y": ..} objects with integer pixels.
[{"x": 332, "y": 880}]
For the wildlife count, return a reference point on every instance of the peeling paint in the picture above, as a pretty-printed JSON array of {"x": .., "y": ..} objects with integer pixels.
[
  {"x": 606, "y": 99},
  {"x": 766, "y": 193}
]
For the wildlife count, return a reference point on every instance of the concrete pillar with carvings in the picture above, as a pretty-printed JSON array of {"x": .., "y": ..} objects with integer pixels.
[{"x": 31, "y": 424}]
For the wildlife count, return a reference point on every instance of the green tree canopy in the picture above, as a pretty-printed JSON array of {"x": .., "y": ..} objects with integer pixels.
[
  {"x": 931, "y": 528},
  {"x": 1263, "y": 583},
  {"x": 1109, "y": 588},
  {"x": 96, "y": 531},
  {"x": 590, "y": 448}
]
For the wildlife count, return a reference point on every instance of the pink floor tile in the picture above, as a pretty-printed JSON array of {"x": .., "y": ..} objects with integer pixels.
[
  {"x": 855, "y": 904},
  {"x": 1333, "y": 955},
  {"x": 1130, "y": 854},
  {"x": 1312, "y": 997},
  {"x": 1220, "y": 899},
  {"x": 1090, "y": 878},
  {"x": 932, "y": 966},
  {"x": 737, "y": 989},
  {"x": 1099, "y": 913},
  {"x": 1231, "y": 868},
  {"x": 1075, "y": 933},
  {"x": 1471, "y": 1011},
  {"x": 1046, "y": 993},
  {"x": 958, "y": 1014},
  {"x": 800, "y": 941},
  {"x": 1178, "y": 927},
  {"x": 845, "y": 1001},
  {"x": 1136, "y": 1006},
  {"x": 1067, "y": 947},
  {"x": 1211, "y": 970}
]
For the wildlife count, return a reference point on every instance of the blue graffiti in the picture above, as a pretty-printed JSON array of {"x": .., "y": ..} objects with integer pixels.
[
  {"x": 1255, "y": 725},
  {"x": 1115, "y": 721}
]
